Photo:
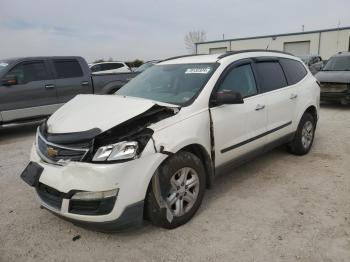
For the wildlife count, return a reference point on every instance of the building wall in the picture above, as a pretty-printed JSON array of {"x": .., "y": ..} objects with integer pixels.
[
  {"x": 324, "y": 43},
  {"x": 333, "y": 42},
  {"x": 204, "y": 48}
]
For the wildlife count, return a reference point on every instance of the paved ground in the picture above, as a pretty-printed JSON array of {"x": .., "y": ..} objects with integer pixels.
[{"x": 279, "y": 207}]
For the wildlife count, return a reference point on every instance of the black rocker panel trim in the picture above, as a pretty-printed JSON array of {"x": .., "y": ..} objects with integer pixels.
[{"x": 254, "y": 138}]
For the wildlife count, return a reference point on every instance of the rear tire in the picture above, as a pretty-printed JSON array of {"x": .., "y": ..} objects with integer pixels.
[
  {"x": 182, "y": 183},
  {"x": 304, "y": 135}
]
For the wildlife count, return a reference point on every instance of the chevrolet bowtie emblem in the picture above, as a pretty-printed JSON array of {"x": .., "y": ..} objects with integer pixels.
[{"x": 51, "y": 152}]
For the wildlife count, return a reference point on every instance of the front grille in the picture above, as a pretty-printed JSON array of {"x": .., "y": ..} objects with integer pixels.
[
  {"x": 49, "y": 195},
  {"x": 51, "y": 152}
]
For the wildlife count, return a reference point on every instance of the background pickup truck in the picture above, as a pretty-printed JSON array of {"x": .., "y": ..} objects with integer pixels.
[{"x": 33, "y": 88}]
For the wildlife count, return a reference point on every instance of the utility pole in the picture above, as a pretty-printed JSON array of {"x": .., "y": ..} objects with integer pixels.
[
  {"x": 303, "y": 28},
  {"x": 338, "y": 36}
]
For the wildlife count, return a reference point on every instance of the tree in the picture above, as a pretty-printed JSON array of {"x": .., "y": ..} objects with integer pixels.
[
  {"x": 98, "y": 61},
  {"x": 192, "y": 38},
  {"x": 135, "y": 63}
]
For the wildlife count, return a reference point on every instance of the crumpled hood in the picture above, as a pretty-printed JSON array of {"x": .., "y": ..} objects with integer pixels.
[
  {"x": 85, "y": 112},
  {"x": 333, "y": 76}
]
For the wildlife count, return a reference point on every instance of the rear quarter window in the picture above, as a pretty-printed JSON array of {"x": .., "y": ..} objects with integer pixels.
[
  {"x": 270, "y": 76},
  {"x": 293, "y": 69},
  {"x": 67, "y": 68}
]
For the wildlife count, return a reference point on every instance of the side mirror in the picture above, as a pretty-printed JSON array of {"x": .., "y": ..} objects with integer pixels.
[
  {"x": 227, "y": 98},
  {"x": 9, "y": 80}
]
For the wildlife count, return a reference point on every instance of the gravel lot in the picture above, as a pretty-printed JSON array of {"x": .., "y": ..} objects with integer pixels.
[{"x": 278, "y": 207}]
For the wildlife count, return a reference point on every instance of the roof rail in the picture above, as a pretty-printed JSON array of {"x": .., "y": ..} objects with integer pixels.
[
  {"x": 180, "y": 56},
  {"x": 228, "y": 53}
]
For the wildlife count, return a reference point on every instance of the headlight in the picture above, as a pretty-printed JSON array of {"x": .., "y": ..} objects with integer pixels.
[{"x": 119, "y": 151}]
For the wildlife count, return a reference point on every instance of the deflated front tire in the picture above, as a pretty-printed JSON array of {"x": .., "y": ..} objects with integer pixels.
[{"x": 176, "y": 190}]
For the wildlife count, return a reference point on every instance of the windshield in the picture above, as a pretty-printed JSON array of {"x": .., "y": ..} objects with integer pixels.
[
  {"x": 3, "y": 65},
  {"x": 174, "y": 84},
  {"x": 338, "y": 63}
]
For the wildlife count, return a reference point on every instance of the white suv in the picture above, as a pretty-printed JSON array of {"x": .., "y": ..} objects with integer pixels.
[
  {"x": 109, "y": 67},
  {"x": 151, "y": 150}
]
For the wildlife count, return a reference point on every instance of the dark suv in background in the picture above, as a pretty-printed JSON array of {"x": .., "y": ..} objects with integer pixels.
[{"x": 335, "y": 79}]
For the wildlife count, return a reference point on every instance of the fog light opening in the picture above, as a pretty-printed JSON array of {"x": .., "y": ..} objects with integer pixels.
[{"x": 95, "y": 195}]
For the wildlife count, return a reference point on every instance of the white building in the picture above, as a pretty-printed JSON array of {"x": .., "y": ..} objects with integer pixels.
[{"x": 321, "y": 42}]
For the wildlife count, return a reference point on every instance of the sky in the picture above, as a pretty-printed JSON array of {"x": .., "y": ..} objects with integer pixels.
[{"x": 150, "y": 29}]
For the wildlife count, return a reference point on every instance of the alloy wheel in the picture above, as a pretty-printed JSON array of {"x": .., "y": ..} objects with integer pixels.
[{"x": 183, "y": 192}]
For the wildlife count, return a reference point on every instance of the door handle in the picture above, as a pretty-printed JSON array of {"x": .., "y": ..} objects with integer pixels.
[
  {"x": 85, "y": 83},
  {"x": 293, "y": 96},
  {"x": 49, "y": 86},
  {"x": 259, "y": 107}
]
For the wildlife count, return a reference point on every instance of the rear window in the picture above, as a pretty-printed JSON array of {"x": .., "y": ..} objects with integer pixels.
[
  {"x": 68, "y": 68},
  {"x": 271, "y": 76},
  {"x": 293, "y": 69}
]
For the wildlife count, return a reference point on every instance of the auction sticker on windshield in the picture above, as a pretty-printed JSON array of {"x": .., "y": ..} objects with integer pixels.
[{"x": 198, "y": 70}]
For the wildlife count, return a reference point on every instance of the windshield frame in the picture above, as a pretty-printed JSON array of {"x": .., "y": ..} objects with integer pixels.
[{"x": 214, "y": 65}]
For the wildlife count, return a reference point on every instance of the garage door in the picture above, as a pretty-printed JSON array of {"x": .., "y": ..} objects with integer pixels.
[
  {"x": 297, "y": 48},
  {"x": 217, "y": 50}
]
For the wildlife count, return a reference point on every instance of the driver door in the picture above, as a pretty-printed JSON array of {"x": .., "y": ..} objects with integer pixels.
[
  {"x": 32, "y": 95},
  {"x": 238, "y": 127}
]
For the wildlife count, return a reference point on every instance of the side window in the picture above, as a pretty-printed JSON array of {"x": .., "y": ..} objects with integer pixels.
[
  {"x": 67, "y": 68},
  {"x": 115, "y": 66},
  {"x": 241, "y": 80},
  {"x": 104, "y": 67},
  {"x": 293, "y": 69},
  {"x": 96, "y": 68},
  {"x": 270, "y": 75},
  {"x": 29, "y": 71}
]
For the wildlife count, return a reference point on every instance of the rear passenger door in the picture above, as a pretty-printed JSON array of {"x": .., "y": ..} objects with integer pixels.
[
  {"x": 280, "y": 96},
  {"x": 34, "y": 94},
  {"x": 70, "y": 79}
]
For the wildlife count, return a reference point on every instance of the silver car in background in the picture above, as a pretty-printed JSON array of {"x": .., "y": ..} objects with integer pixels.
[{"x": 314, "y": 62}]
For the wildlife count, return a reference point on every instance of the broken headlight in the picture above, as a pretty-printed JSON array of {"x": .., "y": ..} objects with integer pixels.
[{"x": 118, "y": 151}]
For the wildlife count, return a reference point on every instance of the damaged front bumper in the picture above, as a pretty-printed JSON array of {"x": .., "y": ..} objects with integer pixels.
[
  {"x": 343, "y": 97},
  {"x": 57, "y": 185},
  {"x": 335, "y": 92}
]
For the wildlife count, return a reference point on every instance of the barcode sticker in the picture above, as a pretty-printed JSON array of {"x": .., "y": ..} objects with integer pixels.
[{"x": 202, "y": 70}]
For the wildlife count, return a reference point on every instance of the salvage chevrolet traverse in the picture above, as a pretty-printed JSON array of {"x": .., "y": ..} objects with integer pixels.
[{"x": 151, "y": 150}]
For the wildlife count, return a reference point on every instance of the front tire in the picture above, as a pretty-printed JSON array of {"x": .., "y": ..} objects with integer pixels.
[
  {"x": 304, "y": 135},
  {"x": 182, "y": 183}
]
